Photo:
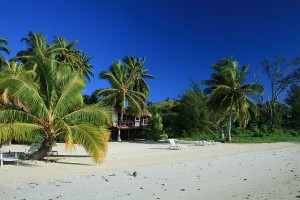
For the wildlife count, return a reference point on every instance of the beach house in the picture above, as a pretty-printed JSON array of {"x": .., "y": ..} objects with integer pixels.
[{"x": 130, "y": 126}]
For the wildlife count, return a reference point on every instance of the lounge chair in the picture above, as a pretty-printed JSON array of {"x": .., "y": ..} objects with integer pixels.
[
  {"x": 204, "y": 143},
  {"x": 211, "y": 142},
  {"x": 175, "y": 146},
  {"x": 33, "y": 148},
  {"x": 9, "y": 157},
  {"x": 201, "y": 143}
]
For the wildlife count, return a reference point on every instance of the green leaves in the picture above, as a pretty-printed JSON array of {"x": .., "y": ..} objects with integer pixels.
[
  {"x": 122, "y": 92},
  {"x": 43, "y": 96},
  {"x": 93, "y": 139},
  {"x": 227, "y": 93}
]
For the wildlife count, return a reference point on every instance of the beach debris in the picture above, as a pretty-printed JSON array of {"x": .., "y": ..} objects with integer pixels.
[
  {"x": 182, "y": 190},
  {"x": 134, "y": 174},
  {"x": 105, "y": 179},
  {"x": 53, "y": 160},
  {"x": 32, "y": 184},
  {"x": 112, "y": 175}
]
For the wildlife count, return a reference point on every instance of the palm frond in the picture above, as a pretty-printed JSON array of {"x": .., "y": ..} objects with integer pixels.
[
  {"x": 17, "y": 131},
  {"x": 94, "y": 114},
  {"x": 69, "y": 94},
  {"x": 26, "y": 91},
  {"x": 93, "y": 139},
  {"x": 12, "y": 115}
]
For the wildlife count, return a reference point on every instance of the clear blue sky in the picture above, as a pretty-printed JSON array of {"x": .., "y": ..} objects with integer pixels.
[{"x": 180, "y": 38}]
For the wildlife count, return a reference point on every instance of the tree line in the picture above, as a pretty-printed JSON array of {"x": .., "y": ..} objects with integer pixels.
[
  {"x": 228, "y": 104},
  {"x": 41, "y": 98}
]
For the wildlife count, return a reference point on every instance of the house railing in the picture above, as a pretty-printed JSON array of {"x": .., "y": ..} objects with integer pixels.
[{"x": 130, "y": 123}]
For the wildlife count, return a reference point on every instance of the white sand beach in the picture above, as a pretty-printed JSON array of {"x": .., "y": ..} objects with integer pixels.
[{"x": 222, "y": 171}]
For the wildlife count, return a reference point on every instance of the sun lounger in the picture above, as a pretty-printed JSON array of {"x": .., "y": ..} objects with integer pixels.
[
  {"x": 9, "y": 157},
  {"x": 202, "y": 143},
  {"x": 33, "y": 148},
  {"x": 211, "y": 142},
  {"x": 176, "y": 146}
]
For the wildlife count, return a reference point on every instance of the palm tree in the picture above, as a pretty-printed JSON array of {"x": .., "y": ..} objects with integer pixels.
[
  {"x": 37, "y": 46},
  {"x": 228, "y": 94},
  {"x": 122, "y": 93},
  {"x": 52, "y": 106},
  {"x": 64, "y": 53},
  {"x": 3, "y": 48},
  {"x": 135, "y": 66},
  {"x": 77, "y": 60}
]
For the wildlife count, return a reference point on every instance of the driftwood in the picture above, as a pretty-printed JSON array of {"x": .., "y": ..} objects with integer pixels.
[{"x": 53, "y": 160}]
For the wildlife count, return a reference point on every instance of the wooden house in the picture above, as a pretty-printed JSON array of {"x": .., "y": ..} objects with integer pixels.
[{"x": 130, "y": 126}]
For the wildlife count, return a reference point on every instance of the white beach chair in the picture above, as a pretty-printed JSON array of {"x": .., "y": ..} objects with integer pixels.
[
  {"x": 175, "y": 146},
  {"x": 201, "y": 143},
  {"x": 211, "y": 142},
  {"x": 9, "y": 157}
]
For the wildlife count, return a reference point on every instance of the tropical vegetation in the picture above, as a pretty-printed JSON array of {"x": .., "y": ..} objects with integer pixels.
[
  {"x": 42, "y": 95},
  {"x": 41, "y": 98},
  {"x": 229, "y": 95},
  {"x": 128, "y": 89},
  {"x": 195, "y": 115}
]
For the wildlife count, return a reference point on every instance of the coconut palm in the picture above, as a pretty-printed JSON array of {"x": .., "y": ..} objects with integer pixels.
[
  {"x": 37, "y": 46},
  {"x": 3, "y": 48},
  {"x": 52, "y": 106},
  {"x": 77, "y": 60},
  {"x": 64, "y": 53},
  {"x": 228, "y": 94},
  {"x": 135, "y": 66},
  {"x": 122, "y": 93}
]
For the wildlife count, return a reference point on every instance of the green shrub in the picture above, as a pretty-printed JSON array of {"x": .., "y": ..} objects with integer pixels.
[
  {"x": 293, "y": 133},
  {"x": 164, "y": 136},
  {"x": 34, "y": 138},
  {"x": 238, "y": 131},
  {"x": 264, "y": 129},
  {"x": 256, "y": 131}
]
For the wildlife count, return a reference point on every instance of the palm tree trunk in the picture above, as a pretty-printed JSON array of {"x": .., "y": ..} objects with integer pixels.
[
  {"x": 228, "y": 136},
  {"x": 119, "y": 128},
  {"x": 119, "y": 135},
  {"x": 43, "y": 151}
]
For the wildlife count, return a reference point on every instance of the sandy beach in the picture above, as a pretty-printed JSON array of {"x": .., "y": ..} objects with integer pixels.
[{"x": 222, "y": 171}]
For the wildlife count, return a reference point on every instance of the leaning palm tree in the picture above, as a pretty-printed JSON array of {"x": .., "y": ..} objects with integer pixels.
[
  {"x": 228, "y": 96},
  {"x": 135, "y": 66},
  {"x": 5, "y": 49},
  {"x": 52, "y": 106},
  {"x": 121, "y": 93}
]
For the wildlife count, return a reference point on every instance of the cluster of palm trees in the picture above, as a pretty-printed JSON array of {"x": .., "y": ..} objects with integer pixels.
[
  {"x": 129, "y": 89},
  {"x": 41, "y": 93}
]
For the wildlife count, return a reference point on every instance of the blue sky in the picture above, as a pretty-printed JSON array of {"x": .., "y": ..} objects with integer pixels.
[{"x": 180, "y": 38}]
